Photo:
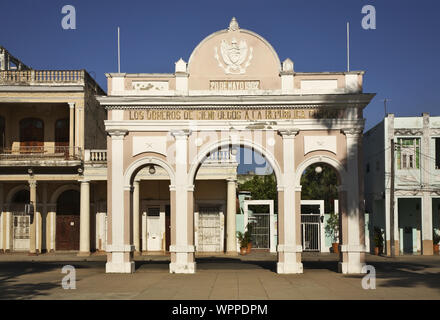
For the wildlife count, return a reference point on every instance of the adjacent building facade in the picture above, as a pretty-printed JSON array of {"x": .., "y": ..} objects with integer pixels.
[{"x": 416, "y": 184}]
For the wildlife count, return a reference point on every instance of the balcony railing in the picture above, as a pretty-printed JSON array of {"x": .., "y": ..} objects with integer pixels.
[
  {"x": 48, "y": 77},
  {"x": 95, "y": 155},
  {"x": 27, "y": 153},
  {"x": 42, "y": 76}
]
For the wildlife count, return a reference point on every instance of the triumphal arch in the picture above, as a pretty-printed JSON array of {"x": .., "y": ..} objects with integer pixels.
[{"x": 233, "y": 91}]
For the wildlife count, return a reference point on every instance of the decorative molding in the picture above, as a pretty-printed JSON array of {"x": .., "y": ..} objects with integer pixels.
[
  {"x": 181, "y": 134},
  {"x": 117, "y": 133},
  {"x": 149, "y": 144},
  {"x": 408, "y": 132},
  {"x": 234, "y": 55},
  {"x": 354, "y": 131},
  {"x": 314, "y": 143},
  {"x": 288, "y": 133}
]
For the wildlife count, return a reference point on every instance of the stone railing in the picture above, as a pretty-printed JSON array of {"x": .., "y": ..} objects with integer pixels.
[
  {"x": 95, "y": 155},
  {"x": 47, "y": 77},
  {"x": 42, "y": 76},
  {"x": 221, "y": 156}
]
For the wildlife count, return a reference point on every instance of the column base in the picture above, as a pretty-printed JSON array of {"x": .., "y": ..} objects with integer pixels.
[
  {"x": 137, "y": 253},
  {"x": 352, "y": 263},
  {"x": 427, "y": 247},
  {"x": 231, "y": 253},
  {"x": 290, "y": 268},
  {"x": 396, "y": 248},
  {"x": 183, "y": 268},
  {"x": 119, "y": 261},
  {"x": 83, "y": 254}
]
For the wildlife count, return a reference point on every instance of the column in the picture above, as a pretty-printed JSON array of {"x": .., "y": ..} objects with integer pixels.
[
  {"x": 33, "y": 228},
  {"x": 353, "y": 243},
  {"x": 289, "y": 247},
  {"x": 84, "y": 220},
  {"x": 119, "y": 257},
  {"x": 231, "y": 237},
  {"x": 51, "y": 223},
  {"x": 182, "y": 250},
  {"x": 426, "y": 218},
  {"x": 426, "y": 212},
  {"x": 71, "y": 128},
  {"x": 136, "y": 227}
]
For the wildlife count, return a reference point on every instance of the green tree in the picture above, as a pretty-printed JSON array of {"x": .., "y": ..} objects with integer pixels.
[
  {"x": 320, "y": 186},
  {"x": 262, "y": 187}
]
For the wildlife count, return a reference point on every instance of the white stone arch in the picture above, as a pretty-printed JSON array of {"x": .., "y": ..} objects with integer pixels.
[
  {"x": 136, "y": 165},
  {"x": 16, "y": 189},
  {"x": 320, "y": 159},
  {"x": 202, "y": 155},
  {"x": 61, "y": 189}
]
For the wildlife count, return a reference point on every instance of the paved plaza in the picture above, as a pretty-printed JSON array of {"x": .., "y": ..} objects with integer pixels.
[{"x": 248, "y": 277}]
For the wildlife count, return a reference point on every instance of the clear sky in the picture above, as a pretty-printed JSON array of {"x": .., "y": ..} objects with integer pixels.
[{"x": 401, "y": 57}]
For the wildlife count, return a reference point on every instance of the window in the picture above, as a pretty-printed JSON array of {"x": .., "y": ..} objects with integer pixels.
[
  {"x": 408, "y": 153},
  {"x": 368, "y": 167},
  {"x": 31, "y": 131}
]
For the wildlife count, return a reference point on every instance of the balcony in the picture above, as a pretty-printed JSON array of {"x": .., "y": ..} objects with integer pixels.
[
  {"x": 40, "y": 156},
  {"x": 48, "y": 78}
]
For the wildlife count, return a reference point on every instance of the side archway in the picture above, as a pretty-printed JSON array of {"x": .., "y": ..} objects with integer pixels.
[{"x": 137, "y": 165}]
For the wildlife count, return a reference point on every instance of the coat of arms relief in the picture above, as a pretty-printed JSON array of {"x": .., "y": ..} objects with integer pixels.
[{"x": 235, "y": 56}]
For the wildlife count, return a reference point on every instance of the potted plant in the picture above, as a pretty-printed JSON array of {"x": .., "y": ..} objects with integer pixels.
[
  {"x": 378, "y": 241},
  {"x": 242, "y": 238},
  {"x": 436, "y": 241},
  {"x": 332, "y": 230},
  {"x": 248, "y": 236}
]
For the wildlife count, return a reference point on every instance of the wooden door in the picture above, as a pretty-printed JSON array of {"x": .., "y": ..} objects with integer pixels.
[
  {"x": 67, "y": 232},
  {"x": 31, "y": 135},
  {"x": 62, "y": 137}
]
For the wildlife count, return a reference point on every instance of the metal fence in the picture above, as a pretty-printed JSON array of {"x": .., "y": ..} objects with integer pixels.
[
  {"x": 311, "y": 232},
  {"x": 260, "y": 230}
]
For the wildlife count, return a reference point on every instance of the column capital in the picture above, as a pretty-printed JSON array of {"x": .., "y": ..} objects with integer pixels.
[
  {"x": 32, "y": 183},
  {"x": 231, "y": 180},
  {"x": 84, "y": 181},
  {"x": 117, "y": 134},
  {"x": 288, "y": 133},
  {"x": 71, "y": 105},
  {"x": 353, "y": 132},
  {"x": 181, "y": 134}
]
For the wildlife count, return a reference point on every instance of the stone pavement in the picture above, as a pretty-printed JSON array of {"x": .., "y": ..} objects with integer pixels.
[{"x": 248, "y": 277}]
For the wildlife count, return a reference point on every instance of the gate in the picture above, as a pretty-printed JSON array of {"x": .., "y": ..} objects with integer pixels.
[
  {"x": 260, "y": 230},
  {"x": 209, "y": 236},
  {"x": 20, "y": 232},
  {"x": 311, "y": 232}
]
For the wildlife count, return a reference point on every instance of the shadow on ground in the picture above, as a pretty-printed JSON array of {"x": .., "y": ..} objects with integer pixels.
[
  {"x": 406, "y": 274},
  {"x": 12, "y": 287}
]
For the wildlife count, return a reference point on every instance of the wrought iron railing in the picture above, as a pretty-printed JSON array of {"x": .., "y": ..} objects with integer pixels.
[{"x": 41, "y": 153}]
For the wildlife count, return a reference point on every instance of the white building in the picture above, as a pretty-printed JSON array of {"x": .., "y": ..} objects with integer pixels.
[{"x": 417, "y": 180}]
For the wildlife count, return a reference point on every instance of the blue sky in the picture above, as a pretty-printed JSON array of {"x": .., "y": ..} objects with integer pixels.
[{"x": 401, "y": 57}]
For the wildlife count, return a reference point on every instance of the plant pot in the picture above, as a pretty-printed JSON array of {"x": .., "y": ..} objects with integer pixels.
[
  {"x": 249, "y": 247},
  {"x": 377, "y": 251},
  {"x": 335, "y": 247},
  {"x": 436, "y": 249},
  {"x": 243, "y": 250}
]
